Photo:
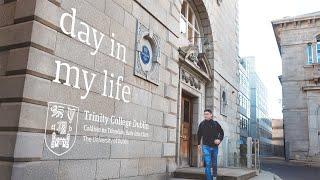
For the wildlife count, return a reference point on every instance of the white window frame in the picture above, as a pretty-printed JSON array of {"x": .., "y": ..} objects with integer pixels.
[
  {"x": 309, "y": 54},
  {"x": 194, "y": 25},
  {"x": 318, "y": 50}
]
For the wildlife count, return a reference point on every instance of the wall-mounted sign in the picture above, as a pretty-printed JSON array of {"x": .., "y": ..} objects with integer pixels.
[
  {"x": 117, "y": 51},
  {"x": 147, "y": 54},
  {"x": 62, "y": 126},
  {"x": 62, "y": 119}
]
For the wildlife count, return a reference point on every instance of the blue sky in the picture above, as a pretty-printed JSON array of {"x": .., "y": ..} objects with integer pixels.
[{"x": 257, "y": 39}]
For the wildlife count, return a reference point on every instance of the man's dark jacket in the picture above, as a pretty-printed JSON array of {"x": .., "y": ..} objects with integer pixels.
[{"x": 209, "y": 130}]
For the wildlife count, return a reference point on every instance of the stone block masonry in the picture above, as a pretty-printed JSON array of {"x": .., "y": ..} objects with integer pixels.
[
  {"x": 77, "y": 53},
  {"x": 71, "y": 106}
]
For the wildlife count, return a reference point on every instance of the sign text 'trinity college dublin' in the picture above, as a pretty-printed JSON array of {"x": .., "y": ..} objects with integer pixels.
[{"x": 118, "y": 51}]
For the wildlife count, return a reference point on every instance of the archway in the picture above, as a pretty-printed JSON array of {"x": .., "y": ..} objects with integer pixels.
[{"x": 195, "y": 67}]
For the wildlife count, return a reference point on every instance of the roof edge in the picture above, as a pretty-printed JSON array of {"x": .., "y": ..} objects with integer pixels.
[{"x": 313, "y": 15}]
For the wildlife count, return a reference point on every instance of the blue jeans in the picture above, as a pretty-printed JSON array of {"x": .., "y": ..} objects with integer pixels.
[{"x": 210, "y": 156}]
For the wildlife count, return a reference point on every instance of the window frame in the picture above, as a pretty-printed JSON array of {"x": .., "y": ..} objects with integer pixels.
[
  {"x": 309, "y": 53},
  {"x": 194, "y": 25},
  {"x": 223, "y": 101},
  {"x": 318, "y": 48}
]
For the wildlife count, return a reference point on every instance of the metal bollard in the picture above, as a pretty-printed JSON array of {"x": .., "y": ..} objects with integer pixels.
[{"x": 249, "y": 152}]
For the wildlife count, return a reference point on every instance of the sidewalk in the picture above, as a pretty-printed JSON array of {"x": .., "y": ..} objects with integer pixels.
[
  {"x": 281, "y": 160},
  {"x": 223, "y": 173},
  {"x": 266, "y": 175},
  {"x": 263, "y": 175}
]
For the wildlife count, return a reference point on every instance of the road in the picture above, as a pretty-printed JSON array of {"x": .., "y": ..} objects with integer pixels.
[{"x": 291, "y": 170}]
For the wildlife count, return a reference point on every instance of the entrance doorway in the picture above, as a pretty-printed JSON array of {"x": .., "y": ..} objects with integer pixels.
[{"x": 186, "y": 130}]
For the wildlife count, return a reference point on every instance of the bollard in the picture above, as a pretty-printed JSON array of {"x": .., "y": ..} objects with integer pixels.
[{"x": 249, "y": 152}]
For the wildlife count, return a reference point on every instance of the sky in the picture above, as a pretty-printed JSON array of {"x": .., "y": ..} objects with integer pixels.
[{"x": 257, "y": 39}]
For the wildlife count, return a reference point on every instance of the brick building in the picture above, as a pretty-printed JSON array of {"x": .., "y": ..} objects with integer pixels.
[{"x": 114, "y": 89}]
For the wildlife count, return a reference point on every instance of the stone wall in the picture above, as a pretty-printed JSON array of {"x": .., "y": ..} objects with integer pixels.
[
  {"x": 226, "y": 59},
  {"x": 31, "y": 41}
]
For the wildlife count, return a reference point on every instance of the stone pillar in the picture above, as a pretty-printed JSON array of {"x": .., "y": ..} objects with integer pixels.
[{"x": 225, "y": 149}]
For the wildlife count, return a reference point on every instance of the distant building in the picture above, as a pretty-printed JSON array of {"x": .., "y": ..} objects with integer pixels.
[
  {"x": 298, "y": 40},
  {"x": 260, "y": 123},
  {"x": 277, "y": 137},
  {"x": 244, "y": 101}
]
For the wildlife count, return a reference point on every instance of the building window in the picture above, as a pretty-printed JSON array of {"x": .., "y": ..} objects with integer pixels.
[
  {"x": 223, "y": 101},
  {"x": 309, "y": 54},
  {"x": 244, "y": 122},
  {"x": 318, "y": 49},
  {"x": 189, "y": 26}
]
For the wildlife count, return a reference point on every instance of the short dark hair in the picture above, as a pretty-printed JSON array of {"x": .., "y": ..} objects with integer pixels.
[{"x": 208, "y": 110}]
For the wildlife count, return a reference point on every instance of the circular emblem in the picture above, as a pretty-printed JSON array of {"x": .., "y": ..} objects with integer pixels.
[{"x": 145, "y": 55}]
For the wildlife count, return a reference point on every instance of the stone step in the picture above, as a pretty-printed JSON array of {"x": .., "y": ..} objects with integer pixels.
[
  {"x": 223, "y": 173},
  {"x": 181, "y": 179}
]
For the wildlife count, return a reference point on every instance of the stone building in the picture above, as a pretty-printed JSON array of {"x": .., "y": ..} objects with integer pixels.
[
  {"x": 114, "y": 88},
  {"x": 277, "y": 137},
  {"x": 298, "y": 40}
]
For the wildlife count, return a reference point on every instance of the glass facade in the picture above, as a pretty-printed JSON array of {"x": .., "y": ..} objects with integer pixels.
[
  {"x": 260, "y": 122},
  {"x": 243, "y": 100}
]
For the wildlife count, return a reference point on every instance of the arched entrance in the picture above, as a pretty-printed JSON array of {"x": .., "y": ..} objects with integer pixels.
[{"x": 195, "y": 55}]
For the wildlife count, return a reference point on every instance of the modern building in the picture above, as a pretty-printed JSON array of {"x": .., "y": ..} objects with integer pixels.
[
  {"x": 111, "y": 89},
  {"x": 260, "y": 122},
  {"x": 298, "y": 39},
  {"x": 244, "y": 100},
  {"x": 277, "y": 137}
]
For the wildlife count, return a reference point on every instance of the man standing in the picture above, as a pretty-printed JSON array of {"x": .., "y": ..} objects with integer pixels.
[{"x": 212, "y": 134}]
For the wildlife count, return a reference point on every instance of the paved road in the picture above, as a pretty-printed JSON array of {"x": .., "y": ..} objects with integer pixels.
[{"x": 290, "y": 171}]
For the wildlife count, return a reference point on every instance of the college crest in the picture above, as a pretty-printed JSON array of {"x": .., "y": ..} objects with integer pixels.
[{"x": 61, "y": 127}]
